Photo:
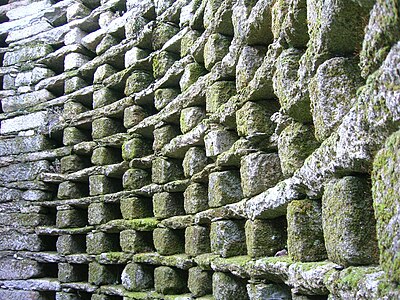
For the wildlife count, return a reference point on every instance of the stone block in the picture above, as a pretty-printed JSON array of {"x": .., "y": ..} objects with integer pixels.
[
  {"x": 133, "y": 55},
  {"x": 71, "y": 218},
  {"x": 305, "y": 237},
  {"x": 74, "y": 84},
  {"x": 197, "y": 240},
  {"x": 71, "y": 272},
  {"x": 137, "y": 81},
  {"x": 162, "y": 62},
  {"x": 72, "y": 190},
  {"x": 218, "y": 141},
  {"x": 135, "y": 148},
  {"x": 101, "y": 184},
  {"x": 169, "y": 280},
  {"x": 162, "y": 34},
  {"x": 386, "y": 203},
  {"x": 228, "y": 287},
  {"x": 195, "y": 198},
  {"x": 162, "y": 97},
  {"x": 20, "y": 144},
  {"x": 23, "y": 54},
  {"x": 39, "y": 73},
  {"x": 165, "y": 170},
  {"x": 269, "y": 291},
  {"x": 218, "y": 94},
  {"x": 135, "y": 179},
  {"x": 216, "y": 47},
  {"x": 188, "y": 41},
  {"x": 73, "y": 163},
  {"x": 74, "y": 61},
  {"x": 350, "y": 236},
  {"x": 265, "y": 237},
  {"x": 133, "y": 115},
  {"x": 258, "y": 172},
  {"x": 163, "y": 136},
  {"x": 72, "y": 108},
  {"x": 67, "y": 296},
  {"x": 137, "y": 277},
  {"x": 168, "y": 241},
  {"x": 103, "y": 97},
  {"x": 77, "y": 11},
  {"x": 18, "y": 102},
  {"x": 224, "y": 188},
  {"x": 19, "y": 295},
  {"x": 296, "y": 142},
  {"x": 134, "y": 208},
  {"x": 167, "y": 205},
  {"x": 73, "y": 136},
  {"x": 106, "y": 156},
  {"x": 106, "y": 43},
  {"x": 195, "y": 160},
  {"x": 193, "y": 71},
  {"x": 25, "y": 122},
  {"x": 255, "y": 118},
  {"x": 199, "y": 282},
  {"x": 228, "y": 238},
  {"x": 71, "y": 244},
  {"x": 103, "y": 274},
  {"x": 74, "y": 36},
  {"x": 100, "y": 213},
  {"x": 13, "y": 269},
  {"x": 99, "y": 242},
  {"x": 191, "y": 117},
  {"x": 136, "y": 241},
  {"x": 250, "y": 60},
  {"x": 134, "y": 26},
  {"x": 103, "y": 127},
  {"x": 23, "y": 171}
]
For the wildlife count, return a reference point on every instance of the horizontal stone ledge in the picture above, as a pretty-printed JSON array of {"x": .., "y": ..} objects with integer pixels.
[
  {"x": 42, "y": 257},
  {"x": 80, "y": 286},
  {"x": 116, "y": 226},
  {"x": 42, "y": 284},
  {"x": 114, "y": 258},
  {"x": 230, "y": 211},
  {"x": 177, "y": 222},
  {"x": 50, "y": 230},
  {"x": 28, "y": 185},
  {"x": 180, "y": 261},
  {"x": 171, "y": 187}
]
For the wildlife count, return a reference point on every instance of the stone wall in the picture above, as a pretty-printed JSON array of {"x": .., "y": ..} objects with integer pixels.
[{"x": 215, "y": 149}]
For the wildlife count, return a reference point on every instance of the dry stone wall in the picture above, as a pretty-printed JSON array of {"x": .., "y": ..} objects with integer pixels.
[{"x": 208, "y": 149}]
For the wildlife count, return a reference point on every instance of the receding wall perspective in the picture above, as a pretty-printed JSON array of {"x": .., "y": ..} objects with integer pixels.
[{"x": 199, "y": 149}]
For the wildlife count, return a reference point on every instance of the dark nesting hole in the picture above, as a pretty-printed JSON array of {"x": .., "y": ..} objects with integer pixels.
[
  {"x": 49, "y": 242},
  {"x": 51, "y": 214},
  {"x": 3, "y": 17},
  {"x": 47, "y": 295},
  {"x": 50, "y": 270}
]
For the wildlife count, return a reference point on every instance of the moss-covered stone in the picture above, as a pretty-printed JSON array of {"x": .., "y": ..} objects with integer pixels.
[
  {"x": 162, "y": 97},
  {"x": 350, "y": 236},
  {"x": 72, "y": 163},
  {"x": 228, "y": 287},
  {"x": 135, "y": 148},
  {"x": 137, "y": 81},
  {"x": 135, "y": 241},
  {"x": 71, "y": 244},
  {"x": 164, "y": 135},
  {"x": 71, "y": 218},
  {"x": 265, "y": 237},
  {"x": 193, "y": 71},
  {"x": 135, "y": 179},
  {"x": 224, "y": 188},
  {"x": 162, "y": 61},
  {"x": 216, "y": 47},
  {"x": 103, "y": 72},
  {"x": 30, "y": 52},
  {"x": 103, "y": 274},
  {"x": 73, "y": 136},
  {"x": 228, "y": 238},
  {"x": 194, "y": 161},
  {"x": 133, "y": 115},
  {"x": 195, "y": 198},
  {"x": 162, "y": 34},
  {"x": 101, "y": 184},
  {"x": 188, "y": 41},
  {"x": 219, "y": 93},
  {"x": 270, "y": 291},
  {"x": 106, "y": 43},
  {"x": 100, "y": 213},
  {"x": 105, "y": 156},
  {"x": 103, "y": 127},
  {"x": 103, "y": 97},
  {"x": 386, "y": 188},
  {"x": 165, "y": 170},
  {"x": 134, "y": 207},
  {"x": 197, "y": 240},
  {"x": 133, "y": 26},
  {"x": 250, "y": 60},
  {"x": 99, "y": 242},
  {"x": 167, "y": 205},
  {"x": 72, "y": 108},
  {"x": 190, "y": 117},
  {"x": 137, "y": 277},
  {"x": 199, "y": 282},
  {"x": 305, "y": 237},
  {"x": 74, "y": 84},
  {"x": 169, "y": 280},
  {"x": 168, "y": 241},
  {"x": 71, "y": 272}
]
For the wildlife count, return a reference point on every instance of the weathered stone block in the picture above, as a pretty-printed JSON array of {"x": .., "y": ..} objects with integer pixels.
[
  {"x": 162, "y": 34},
  {"x": 137, "y": 277},
  {"x": 101, "y": 184},
  {"x": 67, "y": 296},
  {"x": 269, "y": 291},
  {"x": 99, "y": 242},
  {"x": 72, "y": 190},
  {"x": 193, "y": 71},
  {"x": 199, "y": 282},
  {"x": 23, "y": 54},
  {"x": 103, "y": 127},
  {"x": 224, "y": 188},
  {"x": 133, "y": 208},
  {"x": 265, "y": 237},
  {"x": 21, "y": 144},
  {"x": 135, "y": 179},
  {"x": 228, "y": 238},
  {"x": 194, "y": 161},
  {"x": 106, "y": 43},
  {"x": 197, "y": 240},
  {"x": 72, "y": 163},
  {"x": 216, "y": 47},
  {"x": 190, "y": 117},
  {"x": 167, "y": 205},
  {"x": 71, "y": 244},
  {"x": 21, "y": 101},
  {"x": 162, "y": 97},
  {"x": 188, "y": 41},
  {"x": 218, "y": 94},
  {"x": 133, "y": 115},
  {"x": 219, "y": 140},
  {"x": 250, "y": 60},
  {"x": 105, "y": 156},
  {"x": 136, "y": 241},
  {"x": 103, "y": 97},
  {"x": 133, "y": 55},
  {"x": 19, "y": 295},
  {"x": 23, "y": 171},
  {"x": 25, "y": 122},
  {"x": 134, "y": 26},
  {"x": 305, "y": 237},
  {"x": 255, "y": 118},
  {"x": 71, "y": 218},
  {"x": 350, "y": 236},
  {"x": 168, "y": 241},
  {"x": 74, "y": 61},
  {"x": 71, "y": 272},
  {"x": 165, "y": 170},
  {"x": 12, "y": 269},
  {"x": 77, "y": 11},
  {"x": 74, "y": 36},
  {"x": 74, "y": 84},
  {"x": 169, "y": 280},
  {"x": 135, "y": 148},
  {"x": 296, "y": 142},
  {"x": 228, "y": 287},
  {"x": 258, "y": 172},
  {"x": 163, "y": 136},
  {"x": 195, "y": 198},
  {"x": 103, "y": 274},
  {"x": 73, "y": 136},
  {"x": 72, "y": 108},
  {"x": 100, "y": 213},
  {"x": 162, "y": 62},
  {"x": 137, "y": 81}
]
